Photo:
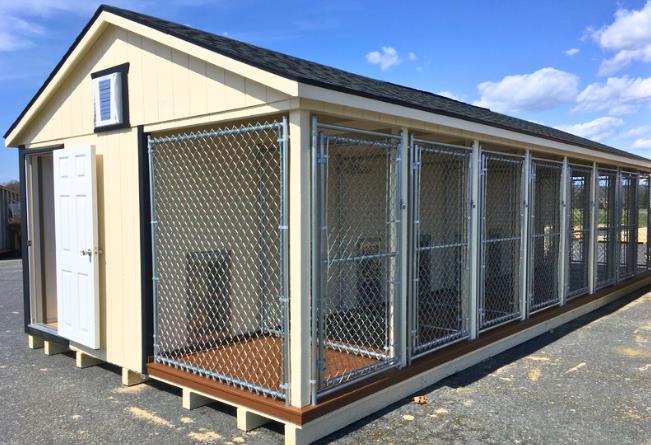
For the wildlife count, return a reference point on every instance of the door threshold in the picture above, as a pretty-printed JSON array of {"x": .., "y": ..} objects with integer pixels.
[{"x": 45, "y": 328}]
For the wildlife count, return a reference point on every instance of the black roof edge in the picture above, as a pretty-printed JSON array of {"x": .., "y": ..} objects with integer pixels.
[
  {"x": 127, "y": 14},
  {"x": 56, "y": 69}
]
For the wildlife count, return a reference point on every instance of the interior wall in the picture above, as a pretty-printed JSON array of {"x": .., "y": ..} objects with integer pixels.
[{"x": 48, "y": 242}]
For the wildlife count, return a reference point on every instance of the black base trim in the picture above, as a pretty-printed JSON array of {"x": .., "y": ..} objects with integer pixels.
[{"x": 47, "y": 336}]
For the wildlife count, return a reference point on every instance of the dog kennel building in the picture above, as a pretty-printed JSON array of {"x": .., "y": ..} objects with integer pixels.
[{"x": 300, "y": 242}]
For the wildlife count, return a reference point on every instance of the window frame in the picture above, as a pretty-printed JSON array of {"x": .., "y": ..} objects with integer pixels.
[{"x": 118, "y": 77}]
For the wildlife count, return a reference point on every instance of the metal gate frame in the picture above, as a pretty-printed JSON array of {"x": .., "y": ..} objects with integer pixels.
[
  {"x": 417, "y": 147},
  {"x": 644, "y": 204},
  {"x": 322, "y": 135},
  {"x": 630, "y": 228},
  {"x": 611, "y": 227},
  {"x": 531, "y": 236},
  {"x": 283, "y": 146},
  {"x": 522, "y": 161},
  {"x": 586, "y": 231}
]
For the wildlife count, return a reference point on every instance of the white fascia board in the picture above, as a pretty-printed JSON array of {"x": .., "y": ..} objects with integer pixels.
[{"x": 474, "y": 129}]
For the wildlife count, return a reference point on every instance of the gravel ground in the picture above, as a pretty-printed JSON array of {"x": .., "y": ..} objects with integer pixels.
[{"x": 588, "y": 382}]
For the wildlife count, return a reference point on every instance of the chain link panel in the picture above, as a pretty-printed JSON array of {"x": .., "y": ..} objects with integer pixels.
[
  {"x": 579, "y": 219},
  {"x": 219, "y": 251},
  {"x": 359, "y": 219},
  {"x": 627, "y": 224},
  {"x": 544, "y": 234},
  {"x": 643, "y": 223},
  {"x": 502, "y": 206},
  {"x": 606, "y": 227},
  {"x": 441, "y": 241}
]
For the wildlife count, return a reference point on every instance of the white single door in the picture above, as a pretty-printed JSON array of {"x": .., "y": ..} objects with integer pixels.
[{"x": 75, "y": 211}]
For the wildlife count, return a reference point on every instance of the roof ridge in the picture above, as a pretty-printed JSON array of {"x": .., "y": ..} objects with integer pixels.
[{"x": 110, "y": 8}]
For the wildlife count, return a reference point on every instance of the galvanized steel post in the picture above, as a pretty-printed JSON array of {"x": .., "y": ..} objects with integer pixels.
[
  {"x": 475, "y": 252},
  {"x": 565, "y": 224}
]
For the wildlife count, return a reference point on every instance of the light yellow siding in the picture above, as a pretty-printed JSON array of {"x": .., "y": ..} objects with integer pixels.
[{"x": 165, "y": 85}]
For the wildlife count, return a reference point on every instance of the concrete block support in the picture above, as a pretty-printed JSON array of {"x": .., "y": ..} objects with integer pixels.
[
  {"x": 295, "y": 435},
  {"x": 51, "y": 348},
  {"x": 84, "y": 360},
  {"x": 130, "y": 378},
  {"x": 247, "y": 421},
  {"x": 192, "y": 400},
  {"x": 34, "y": 342}
]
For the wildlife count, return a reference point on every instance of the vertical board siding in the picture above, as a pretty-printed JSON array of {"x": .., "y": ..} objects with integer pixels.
[
  {"x": 119, "y": 238},
  {"x": 164, "y": 85}
]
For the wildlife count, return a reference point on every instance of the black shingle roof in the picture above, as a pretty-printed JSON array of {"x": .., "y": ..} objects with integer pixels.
[{"x": 335, "y": 79}]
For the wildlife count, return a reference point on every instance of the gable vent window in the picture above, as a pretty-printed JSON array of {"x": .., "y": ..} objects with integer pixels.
[{"x": 110, "y": 98}]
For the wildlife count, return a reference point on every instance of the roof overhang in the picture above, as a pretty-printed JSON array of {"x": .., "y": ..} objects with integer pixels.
[{"x": 478, "y": 130}]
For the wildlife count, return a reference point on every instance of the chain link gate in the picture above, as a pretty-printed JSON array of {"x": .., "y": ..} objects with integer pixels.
[
  {"x": 219, "y": 250},
  {"x": 502, "y": 208},
  {"x": 441, "y": 226},
  {"x": 643, "y": 223},
  {"x": 544, "y": 234},
  {"x": 358, "y": 197},
  {"x": 579, "y": 220},
  {"x": 627, "y": 224},
  {"x": 606, "y": 232}
]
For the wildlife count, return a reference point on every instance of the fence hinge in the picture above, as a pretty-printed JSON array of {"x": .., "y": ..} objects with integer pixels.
[{"x": 322, "y": 159}]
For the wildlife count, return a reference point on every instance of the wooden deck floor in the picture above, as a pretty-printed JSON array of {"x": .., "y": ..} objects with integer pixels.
[{"x": 259, "y": 361}]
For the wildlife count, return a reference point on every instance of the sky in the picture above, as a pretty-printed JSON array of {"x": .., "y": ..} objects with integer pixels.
[{"x": 583, "y": 66}]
